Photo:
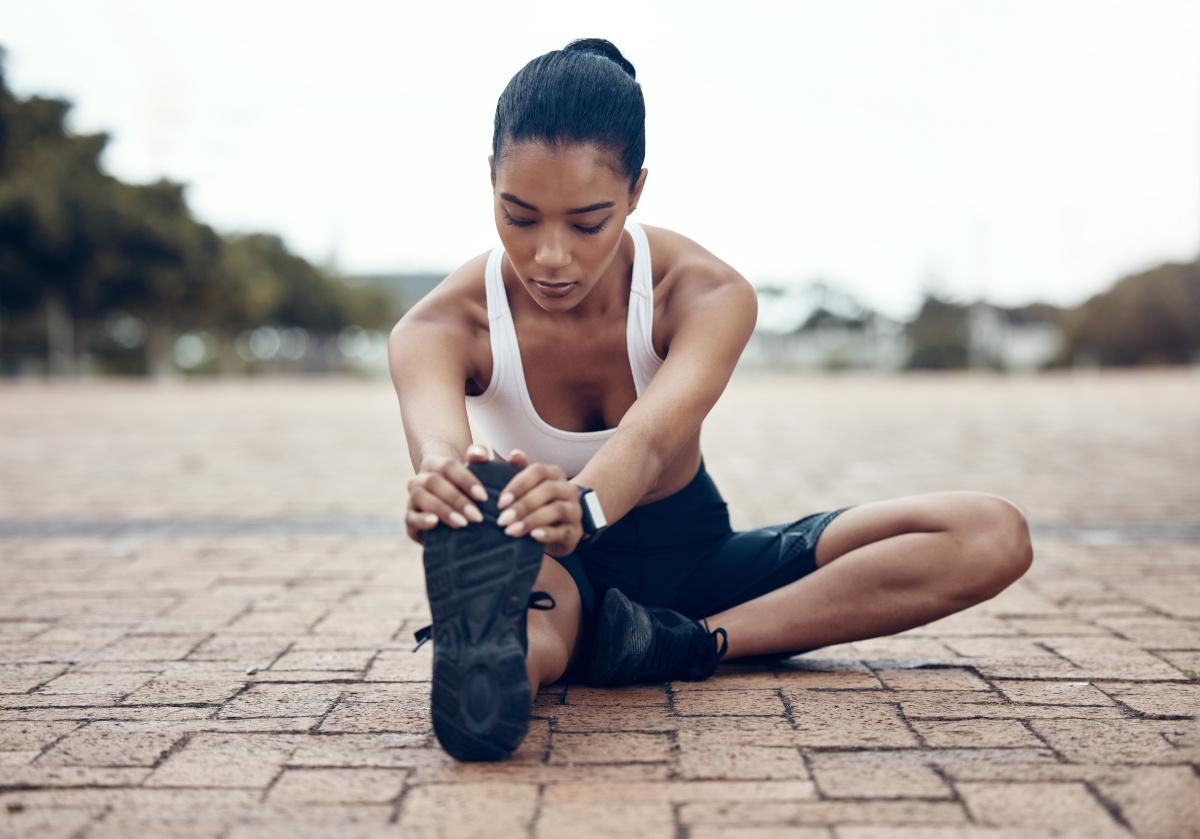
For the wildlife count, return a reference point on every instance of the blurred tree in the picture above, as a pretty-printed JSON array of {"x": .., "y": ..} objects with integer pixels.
[
  {"x": 156, "y": 262},
  {"x": 938, "y": 335},
  {"x": 52, "y": 200},
  {"x": 1147, "y": 318}
]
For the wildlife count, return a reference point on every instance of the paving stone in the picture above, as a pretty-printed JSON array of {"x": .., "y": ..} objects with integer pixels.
[
  {"x": 337, "y": 786},
  {"x": 360, "y": 821},
  {"x": 22, "y": 678},
  {"x": 863, "y": 775},
  {"x": 936, "y": 709},
  {"x": 402, "y": 666},
  {"x": 651, "y": 820},
  {"x": 107, "y": 746},
  {"x": 37, "y": 775},
  {"x": 582, "y": 718},
  {"x": 1061, "y": 806},
  {"x": 1177, "y": 701},
  {"x": 379, "y": 751},
  {"x": 315, "y": 660},
  {"x": 975, "y": 733},
  {"x": 934, "y": 678},
  {"x": 1052, "y": 692},
  {"x": 677, "y": 792},
  {"x": 702, "y": 756},
  {"x": 846, "y": 725},
  {"x": 286, "y": 700},
  {"x": 114, "y": 684},
  {"x": 16, "y": 736},
  {"x": 1112, "y": 741},
  {"x": 610, "y": 747},
  {"x": 225, "y": 760},
  {"x": 204, "y": 688},
  {"x": 1157, "y": 801},
  {"x": 780, "y": 814},
  {"x": 734, "y": 703},
  {"x": 443, "y": 810},
  {"x": 633, "y": 696},
  {"x": 759, "y": 832},
  {"x": 1182, "y": 660}
]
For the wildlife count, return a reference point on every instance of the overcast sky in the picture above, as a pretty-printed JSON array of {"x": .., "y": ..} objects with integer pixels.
[{"x": 1014, "y": 150}]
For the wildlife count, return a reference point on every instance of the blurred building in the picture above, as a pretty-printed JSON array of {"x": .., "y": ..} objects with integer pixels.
[
  {"x": 818, "y": 327},
  {"x": 1023, "y": 339}
]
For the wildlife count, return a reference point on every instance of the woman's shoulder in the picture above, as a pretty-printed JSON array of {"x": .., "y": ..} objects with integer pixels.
[{"x": 674, "y": 256}]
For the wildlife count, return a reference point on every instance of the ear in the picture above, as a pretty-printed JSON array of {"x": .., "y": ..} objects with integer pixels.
[
  {"x": 636, "y": 194},
  {"x": 491, "y": 171}
]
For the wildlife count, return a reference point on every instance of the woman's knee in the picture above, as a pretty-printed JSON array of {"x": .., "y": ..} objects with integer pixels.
[{"x": 999, "y": 549}]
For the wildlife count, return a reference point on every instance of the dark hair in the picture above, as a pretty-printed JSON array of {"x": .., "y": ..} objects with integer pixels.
[{"x": 585, "y": 92}]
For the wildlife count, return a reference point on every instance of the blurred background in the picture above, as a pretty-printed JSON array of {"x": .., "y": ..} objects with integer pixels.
[{"x": 231, "y": 188}]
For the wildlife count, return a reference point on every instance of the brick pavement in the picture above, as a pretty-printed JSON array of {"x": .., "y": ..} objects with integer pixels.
[{"x": 207, "y": 600}]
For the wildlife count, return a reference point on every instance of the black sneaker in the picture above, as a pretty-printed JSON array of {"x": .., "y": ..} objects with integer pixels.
[
  {"x": 635, "y": 644},
  {"x": 478, "y": 581}
]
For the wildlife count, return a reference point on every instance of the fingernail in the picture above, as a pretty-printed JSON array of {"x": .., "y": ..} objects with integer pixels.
[
  {"x": 479, "y": 492},
  {"x": 473, "y": 513},
  {"x": 515, "y": 529},
  {"x": 506, "y": 517},
  {"x": 457, "y": 518},
  {"x": 430, "y": 518},
  {"x": 505, "y": 500},
  {"x": 538, "y": 533}
]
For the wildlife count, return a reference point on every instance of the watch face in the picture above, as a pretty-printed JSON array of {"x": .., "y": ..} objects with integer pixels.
[{"x": 595, "y": 511}]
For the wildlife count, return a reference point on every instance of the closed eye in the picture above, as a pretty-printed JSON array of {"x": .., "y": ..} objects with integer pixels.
[{"x": 590, "y": 231}]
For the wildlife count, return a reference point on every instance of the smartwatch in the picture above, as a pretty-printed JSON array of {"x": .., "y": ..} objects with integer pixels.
[{"x": 593, "y": 522}]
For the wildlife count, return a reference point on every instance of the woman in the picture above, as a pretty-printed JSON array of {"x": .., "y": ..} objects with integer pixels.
[{"x": 591, "y": 348}]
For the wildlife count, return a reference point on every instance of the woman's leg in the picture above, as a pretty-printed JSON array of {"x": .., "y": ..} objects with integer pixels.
[
  {"x": 887, "y": 566},
  {"x": 553, "y": 633}
]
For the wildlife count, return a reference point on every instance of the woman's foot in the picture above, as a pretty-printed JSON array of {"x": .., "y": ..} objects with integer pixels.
[
  {"x": 634, "y": 644},
  {"x": 479, "y": 583}
]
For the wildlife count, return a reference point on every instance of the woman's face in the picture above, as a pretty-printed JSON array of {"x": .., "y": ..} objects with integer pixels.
[{"x": 560, "y": 212}]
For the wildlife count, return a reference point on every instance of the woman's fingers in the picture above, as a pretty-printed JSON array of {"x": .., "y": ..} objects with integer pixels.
[
  {"x": 468, "y": 483},
  {"x": 528, "y": 478},
  {"x": 553, "y": 513},
  {"x": 424, "y": 501},
  {"x": 453, "y": 497}
]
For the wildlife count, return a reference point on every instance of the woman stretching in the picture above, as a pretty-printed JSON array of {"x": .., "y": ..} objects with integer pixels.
[{"x": 590, "y": 348}]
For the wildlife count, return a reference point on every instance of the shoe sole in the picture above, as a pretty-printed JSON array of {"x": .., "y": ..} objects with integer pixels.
[{"x": 478, "y": 581}]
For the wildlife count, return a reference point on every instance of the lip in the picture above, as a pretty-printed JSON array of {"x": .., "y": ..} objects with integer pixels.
[{"x": 555, "y": 290}]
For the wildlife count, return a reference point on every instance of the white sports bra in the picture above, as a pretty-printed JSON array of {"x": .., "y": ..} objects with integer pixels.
[{"x": 503, "y": 416}]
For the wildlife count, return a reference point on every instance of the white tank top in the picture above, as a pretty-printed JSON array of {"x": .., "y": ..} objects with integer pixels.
[{"x": 503, "y": 416}]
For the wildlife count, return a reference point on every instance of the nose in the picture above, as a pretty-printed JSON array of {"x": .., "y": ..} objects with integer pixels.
[{"x": 552, "y": 251}]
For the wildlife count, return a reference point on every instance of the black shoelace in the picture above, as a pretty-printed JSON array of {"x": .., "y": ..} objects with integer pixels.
[
  {"x": 687, "y": 652},
  {"x": 537, "y": 600}
]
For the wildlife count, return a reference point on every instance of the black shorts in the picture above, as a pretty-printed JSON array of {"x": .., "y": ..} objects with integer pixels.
[{"x": 680, "y": 552}]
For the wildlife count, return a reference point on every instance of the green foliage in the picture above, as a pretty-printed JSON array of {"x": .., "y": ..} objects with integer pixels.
[
  {"x": 77, "y": 246},
  {"x": 938, "y": 335},
  {"x": 1147, "y": 318}
]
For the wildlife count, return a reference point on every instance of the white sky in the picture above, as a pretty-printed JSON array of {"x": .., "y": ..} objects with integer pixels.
[{"x": 1016, "y": 150}]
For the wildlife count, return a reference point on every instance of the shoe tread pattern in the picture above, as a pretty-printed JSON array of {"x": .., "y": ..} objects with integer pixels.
[{"x": 478, "y": 580}]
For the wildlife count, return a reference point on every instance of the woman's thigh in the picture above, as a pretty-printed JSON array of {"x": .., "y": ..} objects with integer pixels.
[{"x": 931, "y": 512}]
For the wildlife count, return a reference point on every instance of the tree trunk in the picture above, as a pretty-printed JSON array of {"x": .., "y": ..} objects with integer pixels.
[
  {"x": 158, "y": 349},
  {"x": 60, "y": 336}
]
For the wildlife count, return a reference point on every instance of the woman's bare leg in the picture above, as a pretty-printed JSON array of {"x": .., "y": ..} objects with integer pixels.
[
  {"x": 887, "y": 566},
  {"x": 553, "y": 633}
]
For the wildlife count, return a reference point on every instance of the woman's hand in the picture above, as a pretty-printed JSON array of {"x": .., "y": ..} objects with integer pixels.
[
  {"x": 441, "y": 491},
  {"x": 539, "y": 501}
]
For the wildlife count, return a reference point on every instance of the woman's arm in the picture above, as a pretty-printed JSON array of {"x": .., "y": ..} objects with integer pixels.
[{"x": 428, "y": 356}]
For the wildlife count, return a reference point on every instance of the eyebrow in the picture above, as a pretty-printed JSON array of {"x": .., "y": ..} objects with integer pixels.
[{"x": 507, "y": 196}]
